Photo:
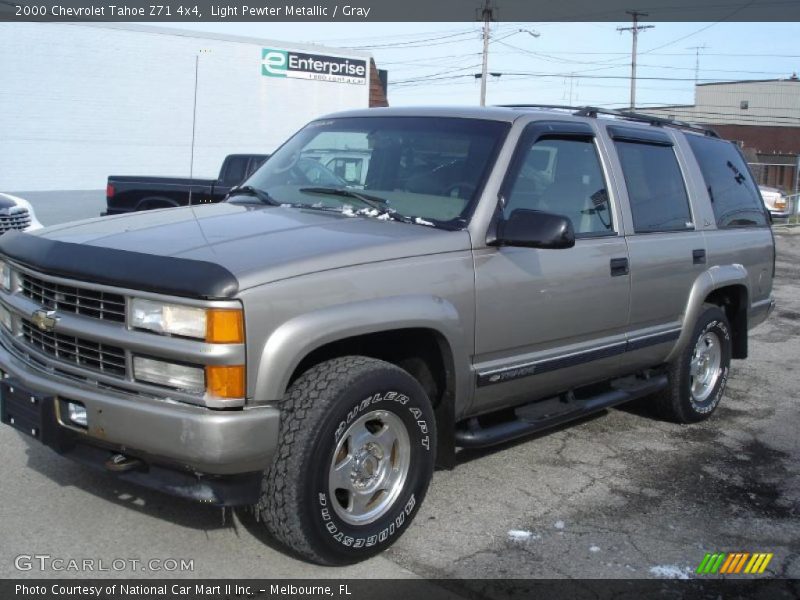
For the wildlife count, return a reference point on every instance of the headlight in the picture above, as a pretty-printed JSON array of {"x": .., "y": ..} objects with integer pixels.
[
  {"x": 181, "y": 377},
  {"x": 225, "y": 326},
  {"x": 5, "y": 275}
]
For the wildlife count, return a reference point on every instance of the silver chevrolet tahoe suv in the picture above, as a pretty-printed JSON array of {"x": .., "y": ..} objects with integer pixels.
[{"x": 313, "y": 347}]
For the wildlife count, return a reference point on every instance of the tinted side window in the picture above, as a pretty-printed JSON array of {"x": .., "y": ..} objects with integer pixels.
[
  {"x": 562, "y": 176},
  {"x": 734, "y": 197},
  {"x": 655, "y": 187}
]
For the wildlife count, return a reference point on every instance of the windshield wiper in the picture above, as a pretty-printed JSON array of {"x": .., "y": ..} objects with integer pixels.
[
  {"x": 249, "y": 190},
  {"x": 375, "y": 202}
]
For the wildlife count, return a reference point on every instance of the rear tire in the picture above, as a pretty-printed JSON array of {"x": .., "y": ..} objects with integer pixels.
[
  {"x": 354, "y": 460},
  {"x": 697, "y": 377}
]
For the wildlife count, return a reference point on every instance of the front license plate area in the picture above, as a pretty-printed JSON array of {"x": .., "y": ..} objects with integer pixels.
[{"x": 22, "y": 409}]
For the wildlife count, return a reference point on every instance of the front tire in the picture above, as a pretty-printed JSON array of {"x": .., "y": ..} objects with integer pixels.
[
  {"x": 354, "y": 460},
  {"x": 698, "y": 376}
]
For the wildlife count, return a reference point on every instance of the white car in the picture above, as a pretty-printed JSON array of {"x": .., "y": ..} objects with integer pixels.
[
  {"x": 16, "y": 213},
  {"x": 776, "y": 202}
]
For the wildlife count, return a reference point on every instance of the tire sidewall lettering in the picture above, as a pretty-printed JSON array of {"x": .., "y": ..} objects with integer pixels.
[
  {"x": 721, "y": 328},
  {"x": 394, "y": 526},
  {"x": 397, "y": 519},
  {"x": 370, "y": 401}
]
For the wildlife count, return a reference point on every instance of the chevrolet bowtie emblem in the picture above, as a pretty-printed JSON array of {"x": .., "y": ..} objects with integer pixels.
[{"x": 44, "y": 319}]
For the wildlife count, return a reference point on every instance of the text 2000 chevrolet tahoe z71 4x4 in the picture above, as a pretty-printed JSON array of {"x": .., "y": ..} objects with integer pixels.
[{"x": 312, "y": 349}]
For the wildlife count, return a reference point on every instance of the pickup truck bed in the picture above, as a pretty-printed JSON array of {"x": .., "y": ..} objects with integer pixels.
[{"x": 130, "y": 193}]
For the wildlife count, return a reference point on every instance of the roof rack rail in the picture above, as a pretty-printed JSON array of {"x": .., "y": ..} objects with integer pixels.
[{"x": 594, "y": 111}]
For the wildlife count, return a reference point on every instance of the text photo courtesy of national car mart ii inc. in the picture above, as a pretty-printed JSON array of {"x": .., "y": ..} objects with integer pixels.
[{"x": 176, "y": 590}]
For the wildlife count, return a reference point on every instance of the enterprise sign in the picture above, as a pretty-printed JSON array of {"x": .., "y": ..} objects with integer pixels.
[{"x": 299, "y": 65}]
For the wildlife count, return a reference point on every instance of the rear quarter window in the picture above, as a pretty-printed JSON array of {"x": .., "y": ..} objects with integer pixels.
[
  {"x": 656, "y": 190},
  {"x": 734, "y": 196}
]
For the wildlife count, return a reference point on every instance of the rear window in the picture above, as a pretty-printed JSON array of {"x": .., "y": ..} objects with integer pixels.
[
  {"x": 655, "y": 187},
  {"x": 236, "y": 170},
  {"x": 734, "y": 196}
]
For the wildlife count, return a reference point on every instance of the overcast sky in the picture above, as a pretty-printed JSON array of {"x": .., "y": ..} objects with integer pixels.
[{"x": 577, "y": 63}]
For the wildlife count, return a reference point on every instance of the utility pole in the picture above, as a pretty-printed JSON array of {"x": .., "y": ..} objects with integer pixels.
[
  {"x": 635, "y": 29},
  {"x": 487, "y": 16},
  {"x": 697, "y": 50}
]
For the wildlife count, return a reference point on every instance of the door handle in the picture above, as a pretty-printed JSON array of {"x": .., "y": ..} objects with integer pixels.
[
  {"x": 699, "y": 256},
  {"x": 619, "y": 267}
]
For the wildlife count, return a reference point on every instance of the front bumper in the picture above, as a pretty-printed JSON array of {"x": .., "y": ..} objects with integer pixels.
[{"x": 180, "y": 437}]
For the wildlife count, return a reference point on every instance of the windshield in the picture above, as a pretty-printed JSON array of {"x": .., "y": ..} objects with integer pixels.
[{"x": 424, "y": 170}]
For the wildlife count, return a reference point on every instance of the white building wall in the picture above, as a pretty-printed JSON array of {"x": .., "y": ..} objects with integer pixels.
[
  {"x": 81, "y": 102},
  {"x": 768, "y": 103}
]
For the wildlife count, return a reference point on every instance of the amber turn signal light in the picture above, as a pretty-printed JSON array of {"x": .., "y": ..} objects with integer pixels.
[
  {"x": 225, "y": 381},
  {"x": 224, "y": 326}
]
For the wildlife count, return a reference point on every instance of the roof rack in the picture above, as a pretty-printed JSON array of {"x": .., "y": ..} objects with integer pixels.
[{"x": 594, "y": 111}]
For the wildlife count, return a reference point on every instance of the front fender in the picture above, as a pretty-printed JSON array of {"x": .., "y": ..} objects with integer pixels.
[
  {"x": 712, "y": 279},
  {"x": 296, "y": 338}
]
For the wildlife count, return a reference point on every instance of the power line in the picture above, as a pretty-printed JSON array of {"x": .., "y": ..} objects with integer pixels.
[
  {"x": 423, "y": 79},
  {"x": 425, "y": 42},
  {"x": 550, "y": 58},
  {"x": 385, "y": 37},
  {"x": 422, "y": 62}
]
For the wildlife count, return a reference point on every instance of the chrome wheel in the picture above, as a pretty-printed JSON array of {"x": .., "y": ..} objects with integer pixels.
[
  {"x": 369, "y": 467},
  {"x": 705, "y": 366}
]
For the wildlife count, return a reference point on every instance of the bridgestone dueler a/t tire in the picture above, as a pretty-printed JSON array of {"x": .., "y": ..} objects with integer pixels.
[
  {"x": 295, "y": 502},
  {"x": 676, "y": 403}
]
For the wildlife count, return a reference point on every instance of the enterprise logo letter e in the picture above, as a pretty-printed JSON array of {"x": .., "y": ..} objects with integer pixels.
[{"x": 274, "y": 62}]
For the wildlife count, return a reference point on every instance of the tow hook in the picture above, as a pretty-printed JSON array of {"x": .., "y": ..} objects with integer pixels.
[{"x": 121, "y": 463}]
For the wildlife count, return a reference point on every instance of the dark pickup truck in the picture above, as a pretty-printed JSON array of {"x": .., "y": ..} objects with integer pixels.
[{"x": 131, "y": 193}]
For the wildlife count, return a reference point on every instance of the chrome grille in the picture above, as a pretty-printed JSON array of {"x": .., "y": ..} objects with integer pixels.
[
  {"x": 84, "y": 353},
  {"x": 78, "y": 300},
  {"x": 18, "y": 219}
]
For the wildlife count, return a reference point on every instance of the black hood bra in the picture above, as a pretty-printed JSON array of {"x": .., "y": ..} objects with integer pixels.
[{"x": 120, "y": 268}]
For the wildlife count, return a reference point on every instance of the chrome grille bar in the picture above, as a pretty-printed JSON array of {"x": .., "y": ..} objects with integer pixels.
[
  {"x": 20, "y": 219},
  {"x": 82, "y": 352},
  {"x": 78, "y": 300}
]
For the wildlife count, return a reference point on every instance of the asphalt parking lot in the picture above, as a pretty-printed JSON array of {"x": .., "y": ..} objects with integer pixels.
[{"x": 619, "y": 495}]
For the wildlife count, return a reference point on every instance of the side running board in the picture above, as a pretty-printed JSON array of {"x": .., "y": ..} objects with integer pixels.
[{"x": 551, "y": 412}]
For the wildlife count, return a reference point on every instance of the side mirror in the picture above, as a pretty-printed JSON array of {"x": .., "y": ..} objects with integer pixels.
[{"x": 535, "y": 229}]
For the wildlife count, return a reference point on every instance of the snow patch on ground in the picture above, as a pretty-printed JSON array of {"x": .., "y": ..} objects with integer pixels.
[
  {"x": 594, "y": 548},
  {"x": 559, "y": 524},
  {"x": 670, "y": 571},
  {"x": 522, "y": 535}
]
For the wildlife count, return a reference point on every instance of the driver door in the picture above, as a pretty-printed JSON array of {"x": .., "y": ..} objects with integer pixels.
[{"x": 550, "y": 320}]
